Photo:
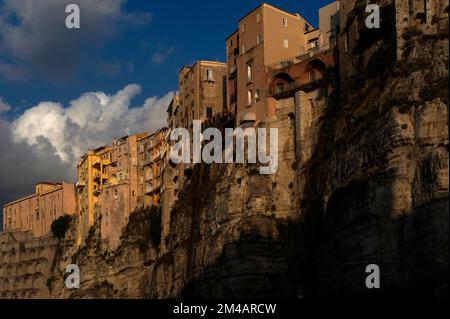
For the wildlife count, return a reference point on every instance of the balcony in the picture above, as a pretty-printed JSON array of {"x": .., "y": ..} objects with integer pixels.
[
  {"x": 96, "y": 163},
  {"x": 97, "y": 192},
  {"x": 152, "y": 187},
  {"x": 80, "y": 185},
  {"x": 285, "y": 90}
]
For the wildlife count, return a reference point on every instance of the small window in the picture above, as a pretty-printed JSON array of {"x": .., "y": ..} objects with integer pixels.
[
  {"x": 244, "y": 48},
  {"x": 257, "y": 95},
  {"x": 249, "y": 72},
  {"x": 258, "y": 39},
  {"x": 250, "y": 97},
  {"x": 209, "y": 75},
  {"x": 286, "y": 43},
  {"x": 306, "y": 27},
  {"x": 243, "y": 28},
  {"x": 258, "y": 17},
  {"x": 285, "y": 22}
]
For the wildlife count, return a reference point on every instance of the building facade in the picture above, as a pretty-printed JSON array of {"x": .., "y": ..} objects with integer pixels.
[
  {"x": 265, "y": 37},
  {"x": 150, "y": 164},
  {"x": 92, "y": 176},
  {"x": 37, "y": 212}
]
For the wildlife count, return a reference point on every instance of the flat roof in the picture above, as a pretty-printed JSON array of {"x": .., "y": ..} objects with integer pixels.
[{"x": 265, "y": 4}]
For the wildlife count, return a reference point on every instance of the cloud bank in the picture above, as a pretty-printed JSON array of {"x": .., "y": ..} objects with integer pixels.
[{"x": 46, "y": 141}]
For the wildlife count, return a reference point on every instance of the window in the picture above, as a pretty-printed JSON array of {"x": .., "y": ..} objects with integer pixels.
[
  {"x": 286, "y": 43},
  {"x": 209, "y": 75},
  {"x": 249, "y": 97},
  {"x": 257, "y": 95},
  {"x": 249, "y": 72},
  {"x": 306, "y": 27},
  {"x": 258, "y": 17},
  {"x": 243, "y": 28},
  {"x": 258, "y": 39},
  {"x": 244, "y": 48},
  {"x": 285, "y": 22}
]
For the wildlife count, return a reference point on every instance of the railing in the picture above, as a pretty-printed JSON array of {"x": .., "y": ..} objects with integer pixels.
[
  {"x": 285, "y": 88},
  {"x": 152, "y": 187},
  {"x": 304, "y": 55}
]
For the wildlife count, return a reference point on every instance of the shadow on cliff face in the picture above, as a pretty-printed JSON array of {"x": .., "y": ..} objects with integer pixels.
[
  {"x": 255, "y": 266},
  {"x": 221, "y": 248},
  {"x": 354, "y": 187}
]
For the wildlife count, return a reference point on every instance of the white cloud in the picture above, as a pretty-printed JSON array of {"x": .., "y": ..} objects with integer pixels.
[
  {"x": 46, "y": 141},
  {"x": 90, "y": 121}
]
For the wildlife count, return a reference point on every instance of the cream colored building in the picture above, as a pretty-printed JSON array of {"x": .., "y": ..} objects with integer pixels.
[
  {"x": 37, "y": 212},
  {"x": 119, "y": 196}
]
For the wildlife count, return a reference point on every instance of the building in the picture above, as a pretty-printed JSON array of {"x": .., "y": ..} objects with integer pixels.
[
  {"x": 150, "y": 163},
  {"x": 118, "y": 198},
  {"x": 201, "y": 93},
  {"x": 93, "y": 175},
  {"x": 37, "y": 212},
  {"x": 266, "y": 36}
]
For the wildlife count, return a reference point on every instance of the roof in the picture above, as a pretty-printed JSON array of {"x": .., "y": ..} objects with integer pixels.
[{"x": 296, "y": 15}]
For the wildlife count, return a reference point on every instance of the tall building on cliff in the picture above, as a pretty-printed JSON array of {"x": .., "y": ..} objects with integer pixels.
[
  {"x": 92, "y": 177},
  {"x": 36, "y": 212},
  {"x": 265, "y": 35}
]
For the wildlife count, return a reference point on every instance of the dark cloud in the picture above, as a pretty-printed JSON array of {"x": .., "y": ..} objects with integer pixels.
[
  {"x": 23, "y": 165},
  {"x": 34, "y": 37}
]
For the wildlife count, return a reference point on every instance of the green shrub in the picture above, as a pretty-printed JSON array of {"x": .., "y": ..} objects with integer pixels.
[{"x": 60, "y": 226}]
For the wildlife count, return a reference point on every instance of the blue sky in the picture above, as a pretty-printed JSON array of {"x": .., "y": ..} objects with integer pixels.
[{"x": 180, "y": 32}]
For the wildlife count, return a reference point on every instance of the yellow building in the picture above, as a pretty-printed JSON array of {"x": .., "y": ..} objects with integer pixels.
[{"x": 92, "y": 173}]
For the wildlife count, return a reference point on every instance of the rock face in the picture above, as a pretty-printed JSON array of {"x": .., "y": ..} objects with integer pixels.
[{"x": 376, "y": 188}]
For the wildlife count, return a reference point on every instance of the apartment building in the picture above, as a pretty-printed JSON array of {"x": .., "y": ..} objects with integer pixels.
[
  {"x": 201, "y": 93},
  {"x": 93, "y": 176},
  {"x": 37, "y": 212},
  {"x": 150, "y": 163},
  {"x": 119, "y": 197},
  {"x": 265, "y": 36}
]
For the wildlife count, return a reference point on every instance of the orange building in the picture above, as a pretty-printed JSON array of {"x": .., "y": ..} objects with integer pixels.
[
  {"x": 151, "y": 165},
  {"x": 37, "y": 212},
  {"x": 118, "y": 198},
  {"x": 266, "y": 36}
]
